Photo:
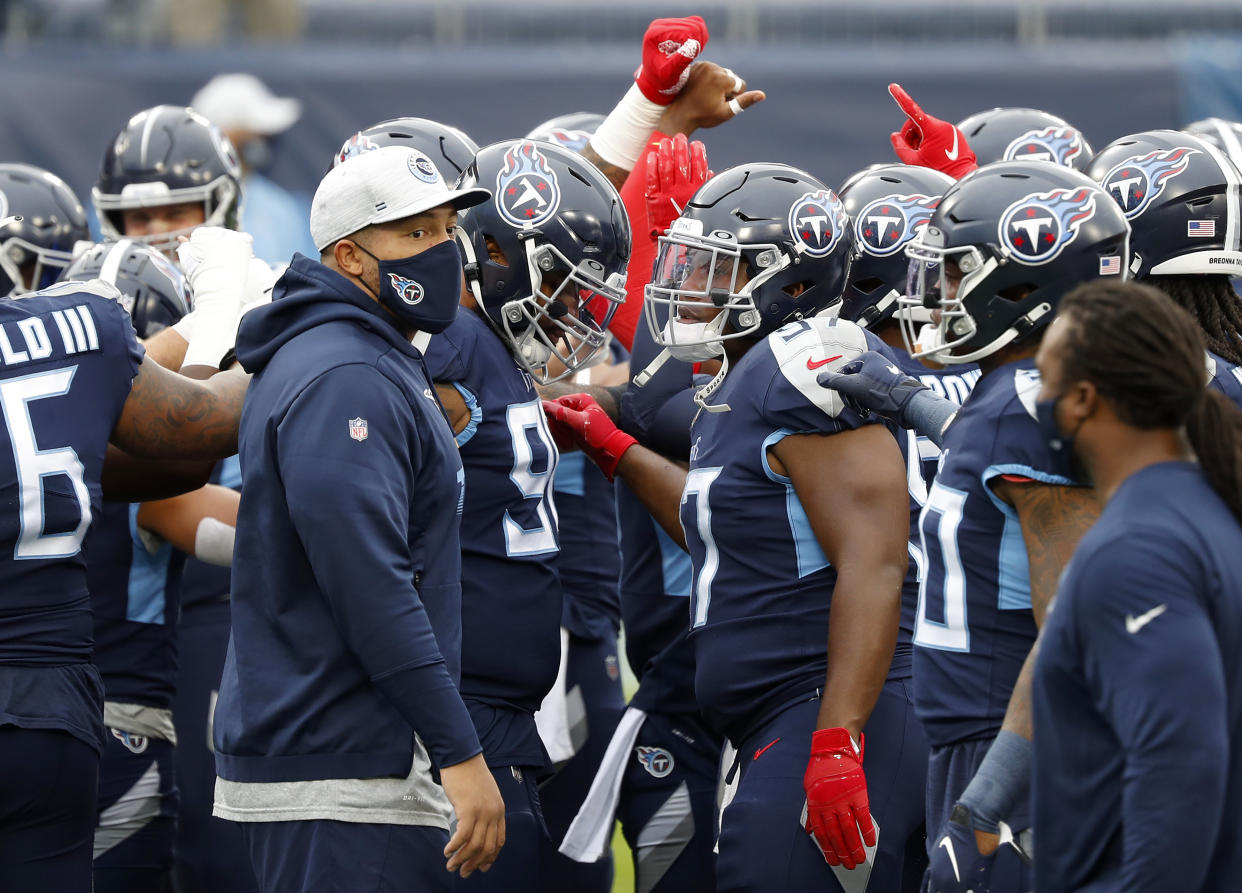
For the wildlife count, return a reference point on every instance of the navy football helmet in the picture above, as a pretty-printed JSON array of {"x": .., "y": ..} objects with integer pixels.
[
  {"x": 572, "y": 131},
  {"x": 40, "y": 221},
  {"x": 1019, "y": 234},
  {"x": 889, "y": 204},
  {"x": 449, "y": 149},
  {"x": 1224, "y": 135},
  {"x": 546, "y": 256},
  {"x": 1180, "y": 194},
  {"x": 167, "y": 155},
  {"x": 758, "y": 246},
  {"x": 1021, "y": 134},
  {"x": 153, "y": 290}
]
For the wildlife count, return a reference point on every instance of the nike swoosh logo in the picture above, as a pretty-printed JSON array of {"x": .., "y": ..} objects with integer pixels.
[
  {"x": 815, "y": 364},
  {"x": 947, "y": 843},
  {"x": 953, "y": 155},
  {"x": 1134, "y": 624}
]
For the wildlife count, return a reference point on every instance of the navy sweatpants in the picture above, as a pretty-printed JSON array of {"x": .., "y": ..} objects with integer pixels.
[
  {"x": 137, "y": 815},
  {"x": 320, "y": 856}
]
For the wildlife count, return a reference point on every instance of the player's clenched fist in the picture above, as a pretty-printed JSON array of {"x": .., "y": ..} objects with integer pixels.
[
  {"x": 837, "y": 812},
  {"x": 669, "y": 48},
  {"x": 578, "y": 419}
]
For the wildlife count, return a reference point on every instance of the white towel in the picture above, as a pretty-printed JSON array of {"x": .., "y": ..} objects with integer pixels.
[
  {"x": 588, "y": 836},
  {"x": 552, "y": 717}
]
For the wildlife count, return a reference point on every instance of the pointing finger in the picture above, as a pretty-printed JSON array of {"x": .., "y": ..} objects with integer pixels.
[{"x": 908, "y": 105}]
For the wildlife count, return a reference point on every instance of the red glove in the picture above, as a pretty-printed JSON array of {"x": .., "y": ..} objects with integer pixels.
[
  {"x": 669, "y": 46},
  {"x": 836, "y": 799},
  {"x": 929, "y": 142},
  {"x": 579, "y": 417},
  {"x": 675, "y": 171}
]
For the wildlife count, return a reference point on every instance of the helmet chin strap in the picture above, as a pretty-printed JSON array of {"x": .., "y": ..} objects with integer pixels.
[{"x": 702, "y": 395}]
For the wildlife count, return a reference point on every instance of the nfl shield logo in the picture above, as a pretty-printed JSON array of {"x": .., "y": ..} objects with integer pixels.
[{"x": 358, "y": 429}]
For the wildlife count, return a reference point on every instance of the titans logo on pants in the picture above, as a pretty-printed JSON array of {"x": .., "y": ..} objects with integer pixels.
[
  {"x": 817, "y": 221},
  {"x": 1059, "y": 145},
  {"x": 527, "y": 192},
  {"x": 887, "y": 224},
  {"x": 1035, "y": 229},
  {"x": 1136, "y": 182}
]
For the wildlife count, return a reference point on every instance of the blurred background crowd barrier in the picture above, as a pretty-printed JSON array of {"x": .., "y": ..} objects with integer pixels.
[{"x": 72, "y": 71}]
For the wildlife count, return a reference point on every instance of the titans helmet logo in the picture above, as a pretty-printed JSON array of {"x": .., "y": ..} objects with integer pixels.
[
  {"x": 527, "y": 192},
  {"x": 887, "y": 224},
  {"x": 356, "y": 145},
  {"x": 407, "y": 289},
  {"x": 817, "y": 221},
  {"x": 1138, "y": 181},
  {"x": 1035, "y": 229},
  {"x": 1059, "y": 145},
  {"x": 573, "y": 140}
]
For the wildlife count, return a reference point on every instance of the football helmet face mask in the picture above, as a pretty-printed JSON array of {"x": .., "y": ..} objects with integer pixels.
[
  {"x": 758, "y": 246},
  {"x": 40, "y": 222},
  {"x": 1004, "y": 244},
  {"x": 1181, "y": 196},
  {"x": 889, "y": 204},
  {"x": 449, "y": 149},
  {"x": 1022, "y": 134},
  {"x": 153, "y": 290},
  {"x": 546, "y": 257},
  {"x": 168, "y": 155},
  {"x": 572, "y": 131}
]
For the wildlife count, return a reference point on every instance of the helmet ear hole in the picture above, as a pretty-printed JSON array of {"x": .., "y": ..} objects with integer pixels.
[
  {"x": 495, "y": 253},
  {"x": 1016, "y": 293},
  {"x": 794, "y": 289}
]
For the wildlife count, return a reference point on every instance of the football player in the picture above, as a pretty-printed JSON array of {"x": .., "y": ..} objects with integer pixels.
[
  {"x": 166, "y": 174},
  {"x": 661, "y": 771},
  {"x": 1005, "y": 511},
  {"x": 1181, "y": 196},
  {"x": 74, "y": 377},
  {"x": 544, "y": 262},
  {"x": 1146, "y": 637},
  {"x": 777, "y": 577},
  {"x": 134, "y": 556},
  {"x": 40, "y": 222}
]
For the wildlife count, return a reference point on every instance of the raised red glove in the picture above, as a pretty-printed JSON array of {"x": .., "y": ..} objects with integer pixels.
[
  {"x": 581, "y": 418},
  {"x": 837, "y": 814},
  {"x": 669, "y": 47},
  {"x": 675, "y": 171},
  {"x": 929, "y": 142}
]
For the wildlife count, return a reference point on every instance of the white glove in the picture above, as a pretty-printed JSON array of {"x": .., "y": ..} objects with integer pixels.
[
  {"x": 259, "y": 282},
  {"x": 216, "y": 262}
]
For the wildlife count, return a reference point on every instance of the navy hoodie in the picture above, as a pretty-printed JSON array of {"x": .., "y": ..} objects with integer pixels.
[{"x": 346, "y": 576}]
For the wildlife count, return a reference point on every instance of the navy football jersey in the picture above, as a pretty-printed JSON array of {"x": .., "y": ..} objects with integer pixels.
[
  {"x": 203, "y": 583},
  {"x": 762, "y": 585},
  {"x": 135, "y": 583},
  {"x": 68, "y": 356},
  {"x": 589, "y": 563},
  {"x": 511, "y": 595},
  {"x": 974, "y": 626},
  {"x": 1225, "y": 377}
]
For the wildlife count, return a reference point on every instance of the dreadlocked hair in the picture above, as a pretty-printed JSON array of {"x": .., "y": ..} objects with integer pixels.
[
  {"x": 1146, "y": 355},
  {"x": 1212, "y": 301}
]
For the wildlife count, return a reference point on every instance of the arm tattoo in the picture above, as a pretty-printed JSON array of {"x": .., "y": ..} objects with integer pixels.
[
  {"x": 1054, "y": 518},
  {"x": 616, "y": 175},
  {"x": 169, "y": 416}
]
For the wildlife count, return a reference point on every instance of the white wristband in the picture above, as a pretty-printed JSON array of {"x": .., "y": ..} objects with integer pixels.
[
  {"x": 623, "y": 136},
  {"x": 213, "y": 542}
]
